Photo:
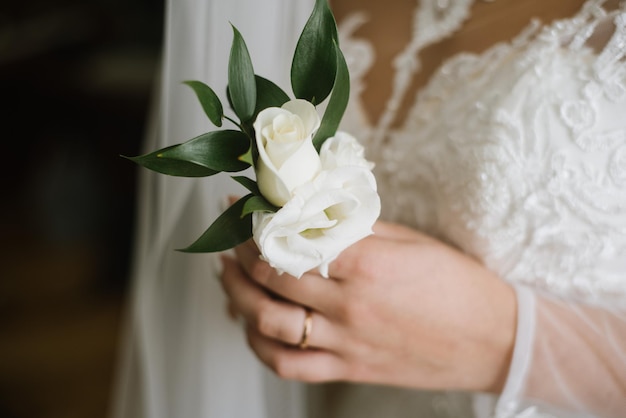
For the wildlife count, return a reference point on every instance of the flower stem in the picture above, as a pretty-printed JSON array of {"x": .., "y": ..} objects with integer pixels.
[{"x": 233, "y": 121}]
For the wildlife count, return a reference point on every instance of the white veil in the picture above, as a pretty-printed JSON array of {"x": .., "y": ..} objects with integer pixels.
[{"x": 182, "y": 355}]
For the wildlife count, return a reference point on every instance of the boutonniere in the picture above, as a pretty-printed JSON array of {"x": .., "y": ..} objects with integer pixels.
[{"x": 314, "y": 193}]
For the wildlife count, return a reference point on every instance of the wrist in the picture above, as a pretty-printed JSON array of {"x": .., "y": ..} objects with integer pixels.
[
  {"x": 487, "y": 339},
  {"x": 499, "y": 344}
]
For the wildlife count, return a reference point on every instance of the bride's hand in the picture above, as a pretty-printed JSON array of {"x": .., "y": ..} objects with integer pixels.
[{"x": 400, "y": 309}]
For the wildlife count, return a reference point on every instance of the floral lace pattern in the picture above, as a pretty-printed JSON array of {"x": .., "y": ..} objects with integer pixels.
[{"x": 518, "y": 155}]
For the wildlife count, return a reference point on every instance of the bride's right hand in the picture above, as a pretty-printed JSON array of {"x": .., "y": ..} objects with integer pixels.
[{"x": 400, "y": 309}]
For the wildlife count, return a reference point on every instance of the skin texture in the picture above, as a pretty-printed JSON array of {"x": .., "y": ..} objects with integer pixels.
[{"x": 400, "y": 309}]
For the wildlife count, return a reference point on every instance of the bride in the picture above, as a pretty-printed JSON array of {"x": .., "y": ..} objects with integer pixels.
[{"x": 500, "y": 150}]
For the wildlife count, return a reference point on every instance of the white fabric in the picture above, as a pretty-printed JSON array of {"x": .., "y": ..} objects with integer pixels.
[
  {"x": 185, "y": 358},
  {"x": 569, "y": 360},
  {"x": 516, "y": 156}
]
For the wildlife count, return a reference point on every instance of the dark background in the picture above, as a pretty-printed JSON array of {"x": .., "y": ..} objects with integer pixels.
[{"x": 75, "y": 83}]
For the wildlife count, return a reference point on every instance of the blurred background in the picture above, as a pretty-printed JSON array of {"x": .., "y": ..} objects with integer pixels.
[{"x": 76, "y": 79}]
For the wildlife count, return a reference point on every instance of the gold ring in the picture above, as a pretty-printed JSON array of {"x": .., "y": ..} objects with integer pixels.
[{"x": 306, "y": 329}]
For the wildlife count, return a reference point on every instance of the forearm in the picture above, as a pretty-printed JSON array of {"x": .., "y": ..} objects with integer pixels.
[{"x": 568, "y": 357}]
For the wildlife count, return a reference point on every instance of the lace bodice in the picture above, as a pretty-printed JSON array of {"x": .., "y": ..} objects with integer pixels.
[{"x": 518, "y": 155}]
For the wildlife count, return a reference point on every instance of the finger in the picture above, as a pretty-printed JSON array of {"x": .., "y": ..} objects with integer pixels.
[
  {"x": 310, "y": 290},
  {"x": 395, "y": 231},
  {"x": 368, "y": 258},
  {"x": 357, "y": 260},
  {"x": 276, "y": 319},
  {"x": 231, "y": 311},
  {"x": 376, "y": 255},
  {"x": 291, "y": 363}
]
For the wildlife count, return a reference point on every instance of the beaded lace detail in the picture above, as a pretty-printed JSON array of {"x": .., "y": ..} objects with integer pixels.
[
  {"x": 517, "y": 155},
  {"x": 433, "y": 21}
]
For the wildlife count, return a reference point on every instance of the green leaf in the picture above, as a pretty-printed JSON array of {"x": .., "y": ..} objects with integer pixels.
[
  {"x": 257, "y": 203},
  {"x": 230, "y": 99},
  {"x": 171, "y": 167},
  {"x": 314, "y": 63},
  {"x": 268, "y": 95},
  {"x": 337, "y": 103},
  {"x": 204, "y": 155},
  {"x": 227, "y": 231},
  {"x": 247, "y": 157},
  {"x": 208, "y": 99},
  {"x": 248, "y": 184},
  {"x": 241, "y": 81}
]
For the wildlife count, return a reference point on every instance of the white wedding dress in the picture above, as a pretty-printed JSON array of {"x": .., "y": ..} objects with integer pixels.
[{"x": 517, "y": 156}]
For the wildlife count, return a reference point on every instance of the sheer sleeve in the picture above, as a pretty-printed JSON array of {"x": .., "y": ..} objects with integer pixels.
[{"x": 569, "y": 360}]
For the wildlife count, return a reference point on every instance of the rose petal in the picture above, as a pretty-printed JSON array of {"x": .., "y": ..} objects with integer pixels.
[
  {"x": 307, "y": 113},
  {"x": 324, "y": 216}
]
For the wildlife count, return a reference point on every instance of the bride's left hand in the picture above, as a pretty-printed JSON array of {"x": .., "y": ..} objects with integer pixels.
[{"x": 400, "y": 308}]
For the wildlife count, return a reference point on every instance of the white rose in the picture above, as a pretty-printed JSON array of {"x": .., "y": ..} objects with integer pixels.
[
  {"x": 342, "y": 150},
  {"x": 287, "y": 157},
  {"x": 324, "y": 217}
]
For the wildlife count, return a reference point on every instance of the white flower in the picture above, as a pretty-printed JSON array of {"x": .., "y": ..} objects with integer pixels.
[
  {"x": 342, "y": 150},
  {"x": 323, "y": 217},
  {"x": 287, "y": 157}
]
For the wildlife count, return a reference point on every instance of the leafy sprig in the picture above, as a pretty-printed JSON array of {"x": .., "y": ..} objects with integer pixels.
[{"x": 318, "y": 71}]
